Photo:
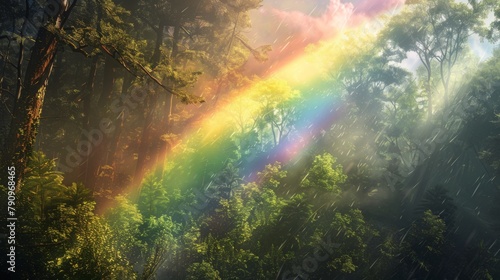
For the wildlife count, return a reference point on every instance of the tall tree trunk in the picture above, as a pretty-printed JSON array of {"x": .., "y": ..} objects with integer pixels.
[
  {"x": 119, "y": 123},
  {"x": 147, "y": 138},
  {"x": 166, "y": 122},
  {"x": 28, "y": 106},
  {"x": 144, "y": 146},
  {"x": 175, "y": 43},
  {"x": 428, "y": 87},
  {"x": 156, "y": 58},
  {"x": 165, "y": 128},
  {"x": 89, "y": 92},
  {"x": 99, "y": 147},
  {"x": 429, "y": 97},
  {"x": 79, "y": 175}
]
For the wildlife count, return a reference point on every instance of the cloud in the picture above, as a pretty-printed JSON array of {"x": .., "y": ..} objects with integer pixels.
[
  {"x": 310, "y": 29},
  {"x": 371, "y": 8},
  {"x": 290, "y": 31}
]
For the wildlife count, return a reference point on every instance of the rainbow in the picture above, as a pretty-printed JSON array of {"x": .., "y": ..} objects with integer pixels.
[{"x": 202, "y": 149}]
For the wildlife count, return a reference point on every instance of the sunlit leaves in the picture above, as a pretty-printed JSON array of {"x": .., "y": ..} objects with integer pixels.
[
  {"x": 351, "y": 232},
  {"x": 277, "y": 100},
  {"x": 272, "y": 176},
  {"x": 260, "y": 197},
  {"x": 160, "y": 244},
  {"x": 153, "y": 198},
  {"x": 92, "y": 255},
  {"x": 42, "y": 183},
  {"x": 124, "y": 220},
  {"x": 324, "y": 175},
  {"x": 203, "y": 270}
]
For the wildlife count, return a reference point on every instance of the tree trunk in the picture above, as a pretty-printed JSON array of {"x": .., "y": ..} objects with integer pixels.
[
  {"x": 428, "y": 87},
  {"x": 89, "y": 92},
  {"x": 166, "y": 120},
  {"x": 175, "y": 43},
  {"x": 119, "y": 123},
  {"x": 147, "y": 137},
  {"x": 429, "y": 98},
  {"x": 28, "y": 106},
  {"x": 165, "y": 128},
  {"x": 99, "y": 144},
  {"x": 80, "y": 174},
  {"x": 144, "y": 146},
  {"x": 159, "y": 42}
]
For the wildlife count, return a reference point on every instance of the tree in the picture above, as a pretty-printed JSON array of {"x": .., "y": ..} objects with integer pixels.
[
  {"x": 289, "y": 231},
  {"x": 493, "y": 33},
  {"x": 157, "y": 234},
  {"x": 31, "y": 92},
  {"x": 324, "y": 175},
  {"x": 277, "y": 101},
  {"x": 352, "y": 233},
  {"x": 366, "y": 74},
  {"x": 227, "y": 181},
  {"x": 92, "y": 255},
  {"x": 412, "y": 31},
  {"x": 42, "y": 184},
  {"x": 228, "y": 219},
  {"x": 479, "y": 263},
  {"x": 436, "y": 30},
  {"x": 106, "y": 36},
  {"x": 260, "y": 197},
  {"x": 424, "y": 245},
  {"x": 124, "y": 220},
  {"x": 153, "y": 198},
  {"x": 203, "y": 270},
  {"x": 440, "y": 204}
]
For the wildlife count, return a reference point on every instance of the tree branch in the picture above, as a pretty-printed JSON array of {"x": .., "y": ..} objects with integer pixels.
[{"x": 116, "y": 55}]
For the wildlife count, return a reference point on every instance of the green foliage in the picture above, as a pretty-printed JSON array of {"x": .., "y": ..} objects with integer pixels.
[
  {"x": 227, "y": 180},
  {"x": 262, "y": 204},
  {"x": 494, "y": 31},
  {"x": 124, "y": 220},
  {"x": 440, "y": 204},
  {"x": 157, "y": 235},
  {"x": 42, "y": 184},
  {"x": 76, "y": 194},
  {"x": 424, "y": 243},
  {"x": 288, "y": 230},
  {"x": 227, "y": 220},
  {"x": 203, "y": 270},
  {"x": 277, "y": 100},
  {"x": 481, "y": 263},
  {"x": 352, "y": 233},
  {"x": 272, "y": 176},
  {"x": 229, "y": 259},
  {"x": 384, "y": 260},
  {"x": 366, "y": 74},
  {"x": 199, "y": 159},
  {"x": 403, "y": 112},
  {"x": 153, "y": 199},
  {"x": 324, "y": 175},
  {"x": 92, "y": 255},
  {"x": 438, "y": 32}
]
